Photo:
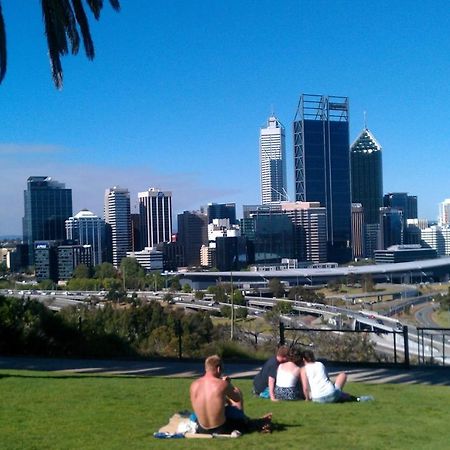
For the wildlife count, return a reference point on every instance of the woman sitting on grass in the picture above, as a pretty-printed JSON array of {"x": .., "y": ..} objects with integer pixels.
[
  {"x": 288, "y": 383},
  {"x": 317, "y": 386}
]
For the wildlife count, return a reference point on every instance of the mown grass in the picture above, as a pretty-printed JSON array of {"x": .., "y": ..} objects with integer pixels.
[{"x": 42, "y": 410}]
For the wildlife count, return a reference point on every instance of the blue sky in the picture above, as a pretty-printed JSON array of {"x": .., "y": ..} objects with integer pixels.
[{"x": 178, "y": 90}]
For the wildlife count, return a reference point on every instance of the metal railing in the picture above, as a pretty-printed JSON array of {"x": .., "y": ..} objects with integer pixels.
[
  {"x": 403, "y": 333},
  {"x": 431, "y": 345}
]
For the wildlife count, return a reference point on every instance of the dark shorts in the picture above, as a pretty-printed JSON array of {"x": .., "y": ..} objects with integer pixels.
[{"x": 235, "y": 419}]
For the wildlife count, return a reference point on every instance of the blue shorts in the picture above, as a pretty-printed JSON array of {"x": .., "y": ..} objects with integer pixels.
[{"x": 330, "y": 398}]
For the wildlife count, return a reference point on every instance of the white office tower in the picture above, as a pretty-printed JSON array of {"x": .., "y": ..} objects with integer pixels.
[
  {"x": 85, "y": 228},
  {"x": 155, "y": 211},
  {"x": 272, "y": 154},
  {"x": 117, "y": 215},
  {"x": 149, "y": 258},
  {"x": 438, "y": 238},
  {"x": 444, "y": 212}
]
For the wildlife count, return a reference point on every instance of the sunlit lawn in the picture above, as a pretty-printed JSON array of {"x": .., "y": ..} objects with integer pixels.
[{"x": 54, "y": 411}]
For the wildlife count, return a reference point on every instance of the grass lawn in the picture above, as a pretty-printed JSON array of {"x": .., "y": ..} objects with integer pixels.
[{"x": 41, "y": 410}]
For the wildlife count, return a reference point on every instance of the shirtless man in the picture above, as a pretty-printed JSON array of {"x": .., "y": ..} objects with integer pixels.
[{"x": 217, "y": 404}]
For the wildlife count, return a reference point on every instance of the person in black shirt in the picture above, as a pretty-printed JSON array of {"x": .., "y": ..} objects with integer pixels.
[{"x": 264, "y": 381}]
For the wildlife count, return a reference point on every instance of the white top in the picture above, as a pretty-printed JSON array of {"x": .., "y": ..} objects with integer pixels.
[
  {"x": 287, "y": 378},
  {"x": 319, "y": 383}
]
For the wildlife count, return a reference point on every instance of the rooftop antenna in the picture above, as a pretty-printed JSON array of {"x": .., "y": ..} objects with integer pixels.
[
  {"x": 272, "y": 109},
  {"x": 365, "y": 120}
]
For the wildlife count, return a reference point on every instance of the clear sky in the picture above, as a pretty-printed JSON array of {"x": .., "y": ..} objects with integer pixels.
[{"x": 178, "y": 91}]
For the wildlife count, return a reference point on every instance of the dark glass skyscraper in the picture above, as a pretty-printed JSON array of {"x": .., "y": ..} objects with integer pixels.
[
  {"x": 222, "y": 211},
  {"x": 322, "y": 166},
  {"x": 47, "y": 206},
  {"x": 367, "y": 175}
]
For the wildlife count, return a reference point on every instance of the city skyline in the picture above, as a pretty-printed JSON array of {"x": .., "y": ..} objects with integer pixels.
[{"x": 152, "y": 115}]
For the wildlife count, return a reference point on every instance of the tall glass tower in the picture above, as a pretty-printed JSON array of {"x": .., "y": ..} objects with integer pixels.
[
  {"x": 272, "y": 155},
  {"x": 367, "y": 175},
  {"x": 86, "y": 228},
  {"x": 322, "y": 166},
  {"x": 117, "y": 215},
  {"x": 47, "y": 205}
]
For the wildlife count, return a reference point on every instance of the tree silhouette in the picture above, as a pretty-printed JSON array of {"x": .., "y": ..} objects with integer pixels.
[{"x": 64, "y": 20}]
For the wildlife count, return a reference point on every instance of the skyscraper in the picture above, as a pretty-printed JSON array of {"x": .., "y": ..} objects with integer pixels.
[
  {"x": 444, "y": 212},
  {"x": 117, "y": 215},
  {"x": 391, "y": 227},
  {"x": 272, "y": 155},
  {"x": 222, "y": 211},
  {"x": 322, "y": 166},
  {"x": 47, "y": 205},
  {"x": 367, "y": 175},
  {"x": 192, "y": 234},
  {"x": 155, "y": 210},
  {"x": 85, "y": 228}
]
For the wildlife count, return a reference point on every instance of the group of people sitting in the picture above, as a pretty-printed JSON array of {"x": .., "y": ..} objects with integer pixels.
[
  {"x": 289, "y": 375},
  {"x": 295, "y": 375}
]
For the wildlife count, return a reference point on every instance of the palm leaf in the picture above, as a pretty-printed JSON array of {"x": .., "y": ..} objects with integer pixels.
[
  {"x": 115, "y": 4},
  {"x": 2, "y": 46},
  {"x": 70, "y": 26},
  {"x": 80, "y": 15},
  {"x": 95, "y": 6}
]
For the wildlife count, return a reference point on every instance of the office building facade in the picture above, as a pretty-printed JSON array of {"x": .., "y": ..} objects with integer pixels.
[
  {"x": 48, "y": 204},
  {"x": 272, "y": 157},
  {"x": 367, "y": 175},
  {"x": 192, "y": 234},
  {"x": 85, "y": 228},
  {"x": 155, "y": 210},
  {"x": 391, "y": 227},
  {"x": 322, "y": 166},
  {"x": 444, "y": 213},
  {"x": 310, "y": 230},
  {"x": 222, "y": 211},
  {"x": 117, "y": 216},
  {"x": 358, "y": 231},
  {"x": 71, "y": 256}
]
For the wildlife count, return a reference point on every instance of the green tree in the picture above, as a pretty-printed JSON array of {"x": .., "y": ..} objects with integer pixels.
[
  {"x": 174, "y": 284},
  {"x": 105, "y": 270},
  {"x": 276, "y": 287},
  {"x": 64, "y": 20},
  {"x": 82, "y": 271},
  {"x": 238, "y": 297},
  {"x": 199, "y": 295},
  {"x": 187, "y": 288},
  {"x": 46, "y": 285}
]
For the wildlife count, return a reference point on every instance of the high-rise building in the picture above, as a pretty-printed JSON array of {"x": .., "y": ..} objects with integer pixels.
[
  {"x": 222, "y": 211},
  {"x": 391, "y": 227},
  {"x": 437, "y": 237},
  {"x": 402, "y": 201},
  {"x": 192, "y": 234},
  {"x": 322, "y": 166},
  {"x": 71, "y": 256},
  {"x": 85, "y": 228},
  {"x": 310, "y": 230},
  {"x": 357, "y": 230},
  {"x": 272, "y": 156},
  {"x": 46, "y": 260},
  {"x": 117, "y": 215},
  {"x": 367, "y": 175},
  {"x": 444, "y": 212},
  {"x": 155, "y": 210},
  {"x": 48, "y": 204}
]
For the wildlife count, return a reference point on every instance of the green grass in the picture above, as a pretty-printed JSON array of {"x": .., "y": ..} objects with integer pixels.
[{"x": 54, "y": 411}]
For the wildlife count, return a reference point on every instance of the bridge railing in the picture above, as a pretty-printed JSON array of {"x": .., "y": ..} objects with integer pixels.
[{"x": 401, "y": 352}]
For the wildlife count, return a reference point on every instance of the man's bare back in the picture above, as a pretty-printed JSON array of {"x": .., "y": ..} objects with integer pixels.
[{"x": 208, "y": 398}]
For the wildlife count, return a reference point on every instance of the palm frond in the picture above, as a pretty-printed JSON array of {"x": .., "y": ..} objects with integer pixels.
[
  {"x": 2, "y": 46},
  {"x": 80, "y": 15},
  {"x": 96, "y": 7},
  {"x": 70, "y": 26},
  {"x": 56, "y": 41},
  {"x": 115, "y": 4}
]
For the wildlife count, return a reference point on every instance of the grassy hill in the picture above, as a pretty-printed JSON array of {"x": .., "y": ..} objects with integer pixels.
[{"x": 42, "y": 410}]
